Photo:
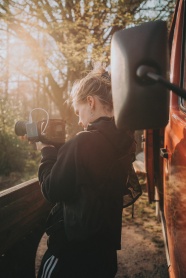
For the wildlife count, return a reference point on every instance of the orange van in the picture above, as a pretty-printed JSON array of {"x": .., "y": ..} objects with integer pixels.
[{"x": 148, "y": 68}]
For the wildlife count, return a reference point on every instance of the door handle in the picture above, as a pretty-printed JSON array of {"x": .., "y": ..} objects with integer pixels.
[{"x": 164, "y": 153}]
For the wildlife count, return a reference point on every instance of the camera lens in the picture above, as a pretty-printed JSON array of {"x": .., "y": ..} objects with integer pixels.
[{"x": 20, "y": 128}]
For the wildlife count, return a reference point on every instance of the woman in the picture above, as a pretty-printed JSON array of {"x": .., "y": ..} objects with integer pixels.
[{"x": 95, "y": 162}]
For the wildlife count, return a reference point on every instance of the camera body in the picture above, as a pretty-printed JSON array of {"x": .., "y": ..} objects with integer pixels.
[{"x": 50, "y": 131}]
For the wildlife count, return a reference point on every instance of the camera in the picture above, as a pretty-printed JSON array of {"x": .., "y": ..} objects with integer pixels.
[{"x": 50, "y": 131}]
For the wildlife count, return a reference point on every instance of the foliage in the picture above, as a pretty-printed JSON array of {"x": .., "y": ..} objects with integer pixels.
[
  {"x": 15, "y": 155},
  {"x": 62, "y": 38},
  {"x": 44, "y": 46}
]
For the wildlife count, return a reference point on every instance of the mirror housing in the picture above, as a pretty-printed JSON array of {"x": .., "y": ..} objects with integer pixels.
[{"x": 139, "y": 102}]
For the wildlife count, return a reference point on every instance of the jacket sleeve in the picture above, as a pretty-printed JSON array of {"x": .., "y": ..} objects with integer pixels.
[{"x": 57, "y": 172}]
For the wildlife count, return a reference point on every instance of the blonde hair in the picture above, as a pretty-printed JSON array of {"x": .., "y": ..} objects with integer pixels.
[{"x": 95, "y": 83}]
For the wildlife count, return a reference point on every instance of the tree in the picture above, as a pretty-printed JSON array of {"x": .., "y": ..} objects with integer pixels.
[{"x": 62, "y": 37}]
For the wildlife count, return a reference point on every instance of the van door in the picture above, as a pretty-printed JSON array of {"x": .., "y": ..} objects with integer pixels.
[
  {"x": 153, "y": 147},
  {"x": 175, "y": 145}
]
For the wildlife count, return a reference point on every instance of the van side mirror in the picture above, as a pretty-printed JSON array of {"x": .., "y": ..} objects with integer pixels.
[{"x": 140, "y": 102}]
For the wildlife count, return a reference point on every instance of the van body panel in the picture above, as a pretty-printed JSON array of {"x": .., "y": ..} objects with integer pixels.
[{"x": 175, "y": 165}]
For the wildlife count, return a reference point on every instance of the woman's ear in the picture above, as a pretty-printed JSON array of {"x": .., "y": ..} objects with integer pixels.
[{"x": 91, "y": 101}]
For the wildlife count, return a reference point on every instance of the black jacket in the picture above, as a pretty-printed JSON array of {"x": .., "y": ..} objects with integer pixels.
[{"x": 89, "y": 159}]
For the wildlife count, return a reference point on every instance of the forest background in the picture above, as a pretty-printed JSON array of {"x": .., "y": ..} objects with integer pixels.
[{"x": 45, "y": 46}]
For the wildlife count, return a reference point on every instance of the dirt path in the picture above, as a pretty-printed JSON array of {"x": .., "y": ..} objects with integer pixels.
[{"x": 142, "y": 254}]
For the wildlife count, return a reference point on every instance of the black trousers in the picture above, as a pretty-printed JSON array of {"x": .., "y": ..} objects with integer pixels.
[{"x": 79, "y": 264}]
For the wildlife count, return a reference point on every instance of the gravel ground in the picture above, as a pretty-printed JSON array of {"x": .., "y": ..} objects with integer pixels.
[{"x": 143, "y": 253}]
